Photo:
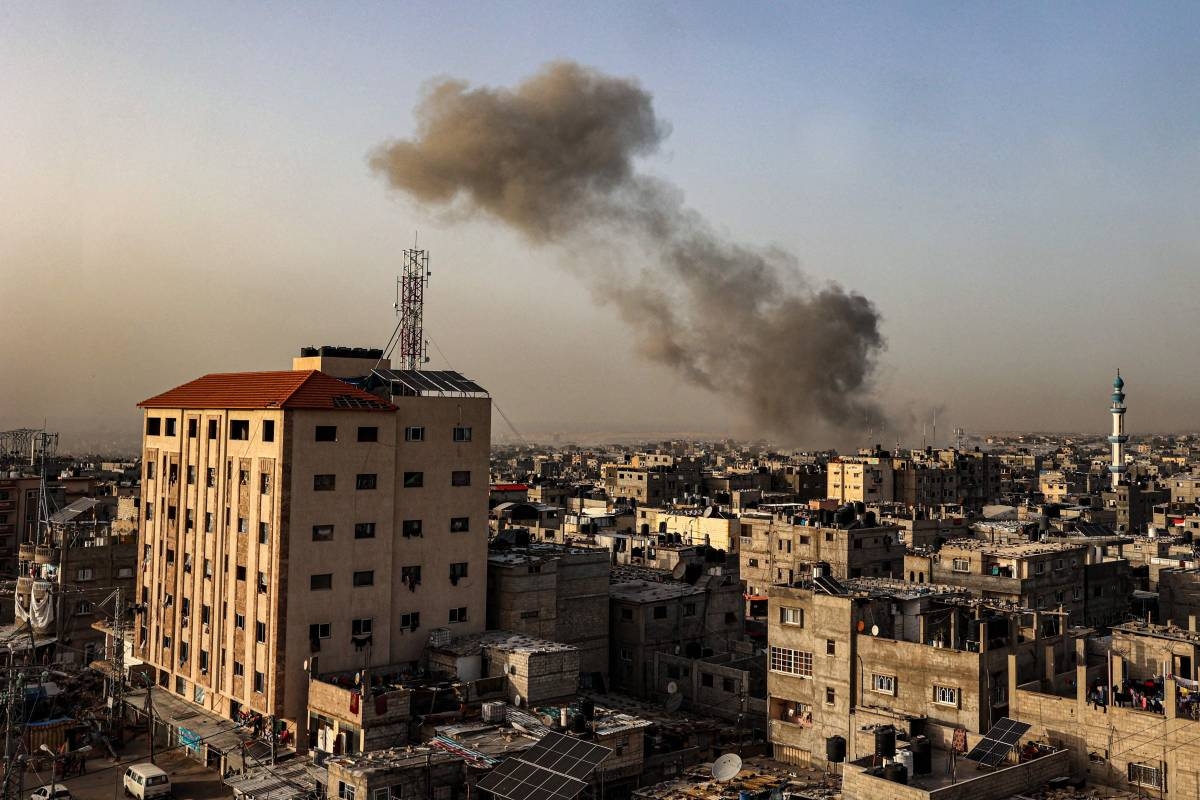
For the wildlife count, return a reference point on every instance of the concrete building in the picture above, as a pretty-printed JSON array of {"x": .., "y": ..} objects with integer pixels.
[
  {"x": 860, "y": 480},
  {"x": 696, "y": 615},
  {"x": 924, "y": 659},
  {"x": 292, "y": 520},
  {"x": 553, "y": 592},
  {"x": 779, "y": 545}
]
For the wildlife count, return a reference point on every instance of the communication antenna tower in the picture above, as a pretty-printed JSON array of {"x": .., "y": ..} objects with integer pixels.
[
  {"x": 410, "y": 307},
  {"x": 959, "y": 435}
]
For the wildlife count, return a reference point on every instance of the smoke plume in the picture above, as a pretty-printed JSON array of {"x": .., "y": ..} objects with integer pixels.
[{"x": 553, "y": 159}]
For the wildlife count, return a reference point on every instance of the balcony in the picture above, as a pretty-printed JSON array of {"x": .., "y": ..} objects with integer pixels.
[
  {"x": 45, "y": 555},
  {"x": 26, "y": 551}
]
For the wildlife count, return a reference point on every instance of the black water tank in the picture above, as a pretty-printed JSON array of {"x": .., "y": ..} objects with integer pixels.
[
  {"x": 835, "y": 749},
  {"x": 896, "y": 773},
  {"x": 885, "y": 741},
  {"x": 587, "y": 707},
  {"x": 922, "y": 752}
]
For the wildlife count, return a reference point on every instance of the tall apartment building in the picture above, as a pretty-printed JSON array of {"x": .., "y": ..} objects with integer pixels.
[{"x": 294, "y": 524}]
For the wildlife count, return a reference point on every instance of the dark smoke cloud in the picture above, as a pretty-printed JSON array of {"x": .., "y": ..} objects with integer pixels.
[{"x": 553, "y": 159}]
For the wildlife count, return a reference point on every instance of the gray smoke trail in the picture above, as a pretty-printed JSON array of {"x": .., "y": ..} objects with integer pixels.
[{"x": 553, "y": 158}]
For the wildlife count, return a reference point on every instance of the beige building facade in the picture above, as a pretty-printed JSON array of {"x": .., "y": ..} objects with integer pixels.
[{"x": 293, "y": 523}]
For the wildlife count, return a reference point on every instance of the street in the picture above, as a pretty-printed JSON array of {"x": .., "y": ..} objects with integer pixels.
[{"x": 190, "y": 780}]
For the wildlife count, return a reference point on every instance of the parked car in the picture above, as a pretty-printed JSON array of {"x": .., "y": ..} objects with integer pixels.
[{"x": 51, "y": 791}]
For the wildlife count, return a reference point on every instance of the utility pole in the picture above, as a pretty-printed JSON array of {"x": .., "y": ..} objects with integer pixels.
[
  {"x": 117, "y": 696},
  {"x": 150, "y": 717},
  {"x": 14, "y": 688}
]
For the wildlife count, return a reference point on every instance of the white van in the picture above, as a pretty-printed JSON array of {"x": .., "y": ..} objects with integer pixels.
[{"x": 145, "y": 781}]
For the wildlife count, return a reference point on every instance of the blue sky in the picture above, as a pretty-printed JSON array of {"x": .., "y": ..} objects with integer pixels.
[{"x": 183, "y": 189}]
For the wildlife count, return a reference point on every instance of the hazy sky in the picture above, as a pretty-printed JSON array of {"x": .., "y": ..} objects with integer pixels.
[{"x": 184, "y": 189}]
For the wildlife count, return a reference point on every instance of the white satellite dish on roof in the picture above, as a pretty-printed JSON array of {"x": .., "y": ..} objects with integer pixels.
[
  {"x": 672, "y": 687},
  {"x": 727, "y": 767},
  {"x": 874, "y": 630},
  {"x": 517, "y": 700},
  {"x": 679, "y": 571}
]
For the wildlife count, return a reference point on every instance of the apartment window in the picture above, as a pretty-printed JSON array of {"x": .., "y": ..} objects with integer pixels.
[
  {"x": 84, "y": 574},
  {"x": 627, "y": 614},
  {"x": 262, "y": 583},
  {"x": 184, "y": 652},
  {"x": 961, "y": 565},
  {"x": 205, "y": 614},
  {"x": 324, "y": 483},
  {"x": 460, "y": 477},
  {"x": 239, "y": 669},
  {"x": 326, "y": 433},
  {"x": 689, "y": 609},
  {"x": 884, "y": 684},
  {"x": 241, "y": 572},
  {"x": 264, "y": 483},
  {"x": 729, "y": 685},
  {"x": 319, "y": 630},
  {"x": 203, "y": 661},
  {"x": 170, "y": 426},
  {"x": 411, "y": 576},
  {"x": 460, "y": 524},
  {"x": 322, "y": 533},
  {"x": 212, "y": 429},
  {"x": 124, "y": 572},
  {"x": 239, "y": 621},
  {"x": 414, "y": 480},
  {"x": 153, "y": 426},
  {"x": 368, "y": 433},
  {"x": 244, "y": 477},
  {"x": 706, "y": 679},
  {"x": 805, "y": 540},
  {"x": 411, "y": 620},
  {"x": 830, "y": 647},
  {"x": 260, "y": 682},
  {"x": 346, "y": 791},
  {"x": 170, "y": 556},
  {"x": 462, "y": 434},
  {"x": 458, "y": 614},
  {"x": 1040, "y": 568},
  {"x": 243, "y": 525},
  {"x": 792, "y": 662},
  {"x": 1076, "y": 593},
  {"x": 945, "y": 695},
  {"x": 320, "y": 582},
  {"x": 212, "y": 477},
  {"x": 458, "y": 571},
  {"x": 414, "y": 433},
  {"x": 828, "y": 537},
  {"x": 239, "y": 429},
  {"x": 191, "y": 475},
  {"x": 660, "y": 612},
  {"x": 264, "y": 532},
  {"x": 365, "y": 481},
  {"x": 364, "y": 578},
  {"x": 1098, "y": 591},
  {"x": 260, "y": 632},
  {"x": 1146, "y": 775},
  {"x": 830, "y": 696},
  {"x": 411, "y": 527},
  {"x": 364, "y": 530},
  {"x": 625, "y": 654},
  {"x": 193, "y": 428},
  {"x": 208, "y": 568},
  {"x": 166, "y": 642},
  {"x": 268, "y": 430},
  {"x": 171, "y": 513},
  {"x": 360, "y": 627},
  {"x": 791, "y": 616}
]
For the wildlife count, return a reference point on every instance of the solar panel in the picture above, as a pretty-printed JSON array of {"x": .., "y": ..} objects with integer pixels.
[
  {"x": 829, "y": 585},
  {"x": 409, "y": 381},
  {"x": 995, "y": 745},
  {"x": 553, "y": 769}
]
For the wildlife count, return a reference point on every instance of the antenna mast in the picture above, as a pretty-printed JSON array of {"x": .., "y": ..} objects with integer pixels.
[{"x": 410, "y": 307}]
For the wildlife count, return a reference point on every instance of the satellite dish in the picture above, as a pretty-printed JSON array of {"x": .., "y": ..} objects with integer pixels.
[
  {"x": 874, "y": 630},
  {"x": 306, "y": 665},
  {"x": 680, "y": 571},
  {"x": 517, "y": 700},
  {"x": 358, "y": 679},
  {"x": 674, "y": 702},
  {"x": 727, "y": 767},
  {"x": 672, "y": 687}
]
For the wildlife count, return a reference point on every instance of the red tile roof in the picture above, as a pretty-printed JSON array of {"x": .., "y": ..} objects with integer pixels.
[
  {"x": 306, "y": 389},
  {"x": 510, "y": 487}
]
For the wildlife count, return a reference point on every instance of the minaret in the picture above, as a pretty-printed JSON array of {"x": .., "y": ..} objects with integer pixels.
[{"x": 1118, "y": 438}]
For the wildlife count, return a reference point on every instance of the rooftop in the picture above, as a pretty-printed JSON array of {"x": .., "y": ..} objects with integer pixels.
[
  {"x": 643, "y": 591},
  {"x": 504, "y": 641},
  {"x": 293, "y": 389},
  {"x": 397, "y": 758},
  {"x": 1020, "y": 550}
]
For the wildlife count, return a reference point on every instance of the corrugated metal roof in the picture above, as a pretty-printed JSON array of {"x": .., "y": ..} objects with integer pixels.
[{"x": 300, "y": 389}]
